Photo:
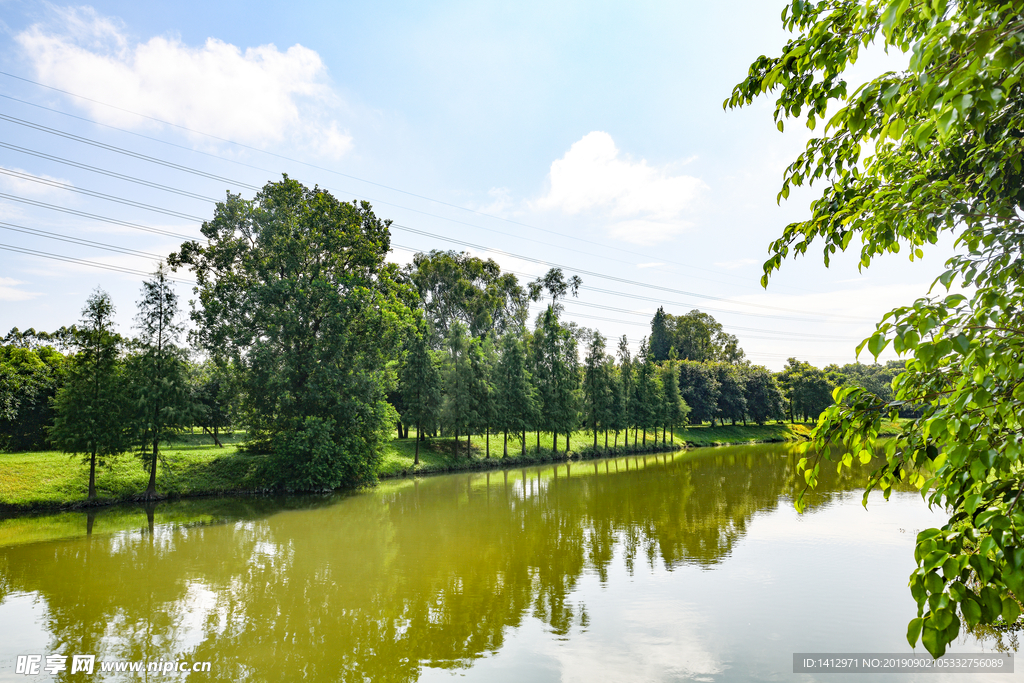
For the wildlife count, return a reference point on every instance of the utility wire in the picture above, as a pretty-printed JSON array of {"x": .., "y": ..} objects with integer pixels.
[
  {"x": 98, "y": 195},
  {"x": 112, "y": 174},
  {"x": 322, "y": 168},
  {"x": 76, "y": 240},
  {"x": 396, "y": 225},
  {"x": 102, "y": 219},
  {"x": 84, "y": 262}
]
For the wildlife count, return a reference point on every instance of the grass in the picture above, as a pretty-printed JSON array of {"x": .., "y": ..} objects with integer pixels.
[
  {"x": 192, "y": 466},
  {"x": 189, "y": 466}
]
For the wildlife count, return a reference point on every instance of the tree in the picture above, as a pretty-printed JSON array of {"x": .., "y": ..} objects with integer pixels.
[
  {"x": 945, "y": 156},
  {"x": 699, "y": 387},
  {"x": 675, "y": 409},
  {"x": 460, "y": 287},
  {"x": 764, "y": 398},
  {"x": 294, "y": 289},
  {"x": 732, "y": 402},
  {"x": 627, "y": 416},
  {"x": 515, "y": 401},
  {"x": 91, "y": 409},
  {"x": 29, "y": 379},
  {"x": 214, "y": 389},
  {"x": 661, "y": 337},
  {"x": 807, "y": 388},
  {"x": 459, "y": 409},
  {"x": 161, "y": 386},
  {"x": 557, "y": 377},
  {"x": 420, "y": 384},
  {"x": 596, "y": 393},
  {"x": 646, "y": 392}
]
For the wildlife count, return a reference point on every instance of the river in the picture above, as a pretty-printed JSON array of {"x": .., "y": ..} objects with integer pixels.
[{"x": 670, "y": 567}]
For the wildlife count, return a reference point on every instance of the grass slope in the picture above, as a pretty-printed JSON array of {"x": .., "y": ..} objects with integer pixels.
[{"x": 192, "y": 466}]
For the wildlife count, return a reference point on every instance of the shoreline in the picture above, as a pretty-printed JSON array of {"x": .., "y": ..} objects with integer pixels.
[{"x": 441, "y": 465}]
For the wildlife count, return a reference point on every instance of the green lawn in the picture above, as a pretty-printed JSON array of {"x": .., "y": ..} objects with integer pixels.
[{"x": 193, "y": 466}]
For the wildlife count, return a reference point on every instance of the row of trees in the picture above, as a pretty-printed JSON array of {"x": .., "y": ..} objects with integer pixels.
[{"x": 318, "y": 347}]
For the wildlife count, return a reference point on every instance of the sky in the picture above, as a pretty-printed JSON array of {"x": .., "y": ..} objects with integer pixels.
[{"x": 585, "y": 135}]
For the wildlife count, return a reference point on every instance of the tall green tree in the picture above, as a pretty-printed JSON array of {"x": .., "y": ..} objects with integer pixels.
[
  {"x": 646, "y": 392},
  {"x": 675, "y": 410},
  {"x": 420, "y": 384},
  {"x": 764, "y": 398},
  {"x": 625, "y": 386},
  {"x": 459, "y": 410},
  {"x": 294, "y": 289},
  {"x": 162, "y": 397},
  {"x": 557, "y": 377},
  {"x": 661, "y": 336},
  {"x": 732, "y": 402},
  {"x": 596, "y": 390},
  {"x": 515, "y": 404},
  {"x": 92, "y": 409},
  {"x": 910, "y": 154}
]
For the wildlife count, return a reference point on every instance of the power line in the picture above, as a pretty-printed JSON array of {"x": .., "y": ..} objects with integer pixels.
[
  {"x": 112, "y": 174},
  {"x": 329, "y": 170},
  {"x": 84, "y": 262},
  {"x": 102, "y": 219},
  {"x": 97, "y": 195},
  {"x": 396, "y": 225},
  {"x": 610, "y": 277},
  {"x": 76, "y": 240}
]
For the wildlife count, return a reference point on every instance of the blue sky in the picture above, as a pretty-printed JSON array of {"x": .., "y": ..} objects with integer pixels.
[{"x": 586, "y": 135}]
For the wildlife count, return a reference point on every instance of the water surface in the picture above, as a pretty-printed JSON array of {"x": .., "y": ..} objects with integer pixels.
[{"x": 688, "y": 566}]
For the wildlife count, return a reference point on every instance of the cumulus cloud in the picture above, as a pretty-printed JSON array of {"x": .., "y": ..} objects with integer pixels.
[
  {"x": 646, "y": 204},
  {"x": 259, "y": 96}
]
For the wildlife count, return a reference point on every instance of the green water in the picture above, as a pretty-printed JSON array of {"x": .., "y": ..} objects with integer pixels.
[{"x": 690, "y": 566}]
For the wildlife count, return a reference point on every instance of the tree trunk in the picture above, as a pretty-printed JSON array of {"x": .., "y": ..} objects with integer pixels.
[
  {"x": 595, "y": 438},
  {"x": 505, "y": 452},
  {"x": 606, "y": 442},
  {"x": 524, "y": 442},
  {"x": 538, "y": 442},
  {"x": 416, "y": 459},
  {"x": 151, "y": 489},
  {"x": 92, "y": 475},
  {"x": 554, "y": 442},
  {"x": 469, "y": 447},
  {"x": 487, "y": 431},
  {"x": 456, "y": 443},
  {"x": 644, "y": 442}
]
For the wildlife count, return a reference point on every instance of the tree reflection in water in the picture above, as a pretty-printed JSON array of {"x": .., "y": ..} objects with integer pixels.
[{"x": 375, "y": 585}]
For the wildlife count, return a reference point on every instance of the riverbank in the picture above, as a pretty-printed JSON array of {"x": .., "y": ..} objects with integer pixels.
[{"x": 193, "y": 467}]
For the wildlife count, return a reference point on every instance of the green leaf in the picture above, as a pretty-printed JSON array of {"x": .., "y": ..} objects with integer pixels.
[
  {"x": 914, "y": 631},
  {"x": 877, "y": 344},
  {"x": 933, "y": 641},
  {"x": 971, "y": 611},
  {"x": 1011, "y": 610}
]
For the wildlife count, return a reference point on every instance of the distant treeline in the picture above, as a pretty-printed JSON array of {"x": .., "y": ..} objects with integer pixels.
[{"x": 303, "y": 335}]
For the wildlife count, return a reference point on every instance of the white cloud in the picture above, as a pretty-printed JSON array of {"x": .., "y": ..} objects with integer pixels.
[
  {"x": 258, "y": 96},
  {"x": 20, "y": 182},
  {"x": 9, "y": 291},
  {"x": 649, "y": 202}
]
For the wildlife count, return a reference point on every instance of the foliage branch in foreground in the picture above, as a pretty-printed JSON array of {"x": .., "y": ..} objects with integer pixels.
[{"x": 909, "y": 155}]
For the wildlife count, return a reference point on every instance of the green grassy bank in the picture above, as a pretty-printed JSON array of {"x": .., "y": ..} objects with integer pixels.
[{"x": 192, "y": 466}]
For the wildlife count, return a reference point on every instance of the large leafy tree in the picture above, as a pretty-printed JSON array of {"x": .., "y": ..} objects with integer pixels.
[
  {"x": 92, "y": 409},
  {"x": 29, "y": 379},
  {"x": 459, "y": 413},
  {"x": 909, "y": 155},
  {"x": 293, "y": 288},
  {"x": 460, "y": 287},
  {"x": 764, "y": 398}
]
